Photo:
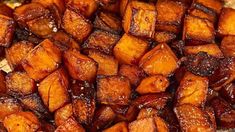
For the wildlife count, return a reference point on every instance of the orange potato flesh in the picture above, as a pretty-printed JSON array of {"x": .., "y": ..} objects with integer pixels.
[
  {"x": 7, "y": 25},
  {"x": 119, "y": 127},
  {"x": 70, "y": 125},
  {"x": 63, "y": 114},
  {"x": 228, "y": 46},
  {"x": 226, "y": 25},
  {"x": 146, "y": 124}
]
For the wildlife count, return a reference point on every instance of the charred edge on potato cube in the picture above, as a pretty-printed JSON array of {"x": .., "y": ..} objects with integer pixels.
[
  {"x": 7, "y": 25},
  {"x": 178, "y": 47},
  {"x": 208, "y": 5},
  {"x": 111, "y": 7},
  {"x": 211, "y": 16},
  {"x": 228, "y": 92},
  {"x": 202, "y": 64},
  {"x": 164, "y": 37},
  {"x": 3, "y": 88}
]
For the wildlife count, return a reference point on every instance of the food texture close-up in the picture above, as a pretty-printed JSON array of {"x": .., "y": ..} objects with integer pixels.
[{"x": 117, "y": 65}]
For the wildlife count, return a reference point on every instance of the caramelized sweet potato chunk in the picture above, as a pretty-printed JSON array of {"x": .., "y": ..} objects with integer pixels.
[
  {"x": 147, "y": 112},
  {"x": 159, "y": 60},
  {"x": 63, "y": 114},
  {"x": 113, "y": 90},
  {"x": 192, "y": 118},
  {"x": 157, "y": 101},
  {"x": 70, "y": 125},
  {"x": 108, "y": 22},
  {"x": 228, "y": 46},
  {"x": 211, "y": 114},
  {"x": 16, "y": 53},
  {"x": 153, "y": 84},
  {"x": 102, "y": 41},
  {"x": 226, "y": 25},
  {"x": 50, "y": 3},
  {"x": 192, "y": 32},
  {"x": 80, "y": 67},
  {"x": 86, "y": 7},
  {"x": 49, "y": 56},
  {"x": 210, "y": 49},
  {"x": 19, "y": 83},
  {"x": 164, "y": 37},
  {"x": 112, "y": 6},
  {"x": 192, "y": 90},
  {"x": 205, "y": 5},
  {"x": 130, "y": 49},
  {"x": 8, "y": 106},
  {"x": 21, "y": 121},
  {"x": 54, "y": 90},
  {"x": 133, "y": 73},
  {"x": 123, "y": 5},
  {"x": 107, "y": 65},
  {"x": 6, "y": 10},
  {"x": 204, "y": 15},
  {"x": 7, "y": 25},
  {"x": 118, "y": 127},
  {"x": 139, "y": 19},
  {"x": 76, "y": 25},
  {"x": 3, "y": 88},
  {"x": 146, "y": 124},
  {"x": 228, "y": 92}
]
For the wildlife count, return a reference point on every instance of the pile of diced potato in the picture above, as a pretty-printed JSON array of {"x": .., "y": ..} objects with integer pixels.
[{"x": 117, "y": 66}]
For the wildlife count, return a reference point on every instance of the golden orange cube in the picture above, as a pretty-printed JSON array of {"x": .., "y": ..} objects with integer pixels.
[{"x": 226, "y": 24}]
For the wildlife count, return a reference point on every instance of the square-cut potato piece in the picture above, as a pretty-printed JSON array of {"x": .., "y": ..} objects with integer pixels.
[
  {"x": 102, "y": 41},
  {"x": 226, "y": 24},
  {"x": 139, "y": 19},
  {"x": 80, "y": 67},
  {"x": 86, "y": 7},
  {"x": 228, "y": 46},
  {"x": 204, "y": 15},
  {"x": 49, "y": 56},
  {"x": 112, "y": 6},
  {"x": 107, "y": 65},
  {"x": 118, "y": 127},
  {"x": 76, "y": 25},
  {"x": 113, "y": 90},
  {"x": 193, "y": 119},
  {"x": 159, "y": 60},
  {"x": 153, "y": 84},
  {"x": 54, "y": 90},
  {"x": 141, "y": 125},
  {"x": 19, "y": 83},
  {"x": 7, "y": 25},
  {"x": 70, "y": 125},
  {"x": 133, "y": 73},
  {"x": 108, "y": 22},
  {"x": 2, "y": 82},
  {"x": 169, "y": 13},
  {"x": 164, "y": 37},
  {"x": 17, "y": 52},
  {"x": 192, "y": 31},
  {"x": 205, "y": 5},
  {"x": 63, "y": 114},
  {"x": 130, "y": 49},
  {"x": 210, "y": 49},
  {"x": 192, "y": 90}
]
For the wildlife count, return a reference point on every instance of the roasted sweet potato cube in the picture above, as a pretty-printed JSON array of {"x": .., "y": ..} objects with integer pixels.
[
  {"x": 54, "y": 90},
  {"x": 220, "y": 106},
  {"x": 63, "y": 114},
  {"x": 130, "y": 49},
  {"x": 80, "y": 67},
  {"x": 164, "y": 37},
  {"x": 118, "y": 127},
  {"x": 153, "y": 84},
  {"x": 192, "y": 118},
  {"x": 107, "y": 65},
  {"x": 111, "y": 6},
  {"x": 50, "y": 3},
  {"x": 86, "y": 7},
  {"x": 102, "y": 41},
  {"x": 76, "y": 25},
  {"x": 169, "y": 15},
  {"x": 133, "y": 73},
  {"x": 7, "y": 25},
  {"x": 19, "y": 83},
  {"x": 228, "y": 92},
  {"x": 226, "y": 25},
  {"x": 3, "y": 88},
  {"x": 125, "y": 113},
  {"x": 210, "y": 49},
  {"x": 228, "y": 46},
  {"x": 34, "y": 103},
  {"x": 46, "y": 127},
  {"x": 205, "y": 5},
  {"x": 108, "y": 22},
  {"x": 204, "y": 15},
  {"x": 157, "y": 101},
  {"x": 21, "y": 121},
  {"x": 17, "y": 52},
  {"x": 104, "y": 116},
  {"x": 49, "y": 56},
  {"x": 113, "y": 90},
  {"x": 159, "y": 60},
  {"x": 123, "y": 5},
  {"x": 8, "y": 106},
  {"x": 192, "y": 31},
  {"x": 147, "y": 112},
  {"x": 192, "y": 90},
  {"x": 227, "y": 120},
  {"x": 146, "y": 124},
  {"x": 70, "y": 125},
  {"x": 6, "y": 10},
  {"x": 211, "y": 114},
  {"x": 64, "y": 41},
  {"x": 139, "y": 19}
]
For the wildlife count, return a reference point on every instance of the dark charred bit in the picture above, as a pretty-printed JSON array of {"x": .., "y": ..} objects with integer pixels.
[
  {"x": 202, "y": 64},
  {"x": 178, "y": 47}
]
